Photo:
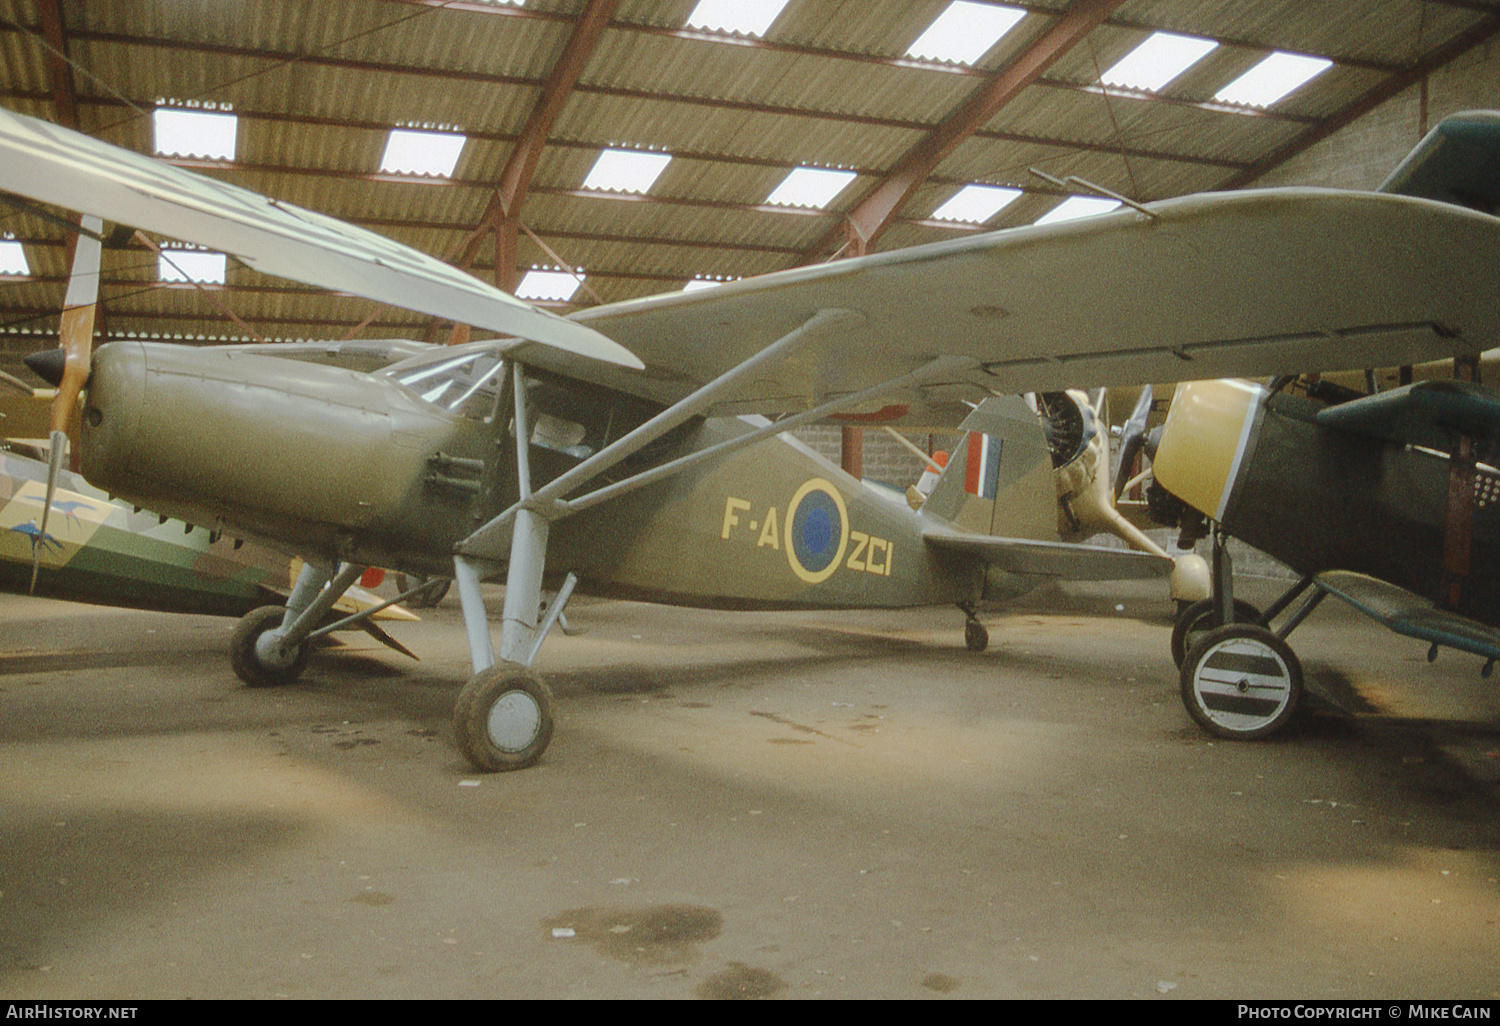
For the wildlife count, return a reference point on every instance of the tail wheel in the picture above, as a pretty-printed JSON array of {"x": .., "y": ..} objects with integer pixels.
[
  {"x": 976, "y": 638},
  {"x": 503, "y": 719},
  {"x": 256, "y": 658},
  {"x": 1198, "y": 619},
  {"x": 1241, "y": 682}
]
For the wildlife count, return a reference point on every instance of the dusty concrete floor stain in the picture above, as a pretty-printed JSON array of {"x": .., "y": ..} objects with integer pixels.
[
  {"x": 740, "y": 982},
  {"x": 656, "y": 935}
]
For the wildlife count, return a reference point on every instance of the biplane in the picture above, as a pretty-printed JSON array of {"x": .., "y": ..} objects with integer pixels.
[
  {"x": 639, "y": 449},
  {"x": 1385, "y": 500}
]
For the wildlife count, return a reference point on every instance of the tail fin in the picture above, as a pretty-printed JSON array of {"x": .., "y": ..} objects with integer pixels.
[
  {"x": 1458, "y": 162},
  {"x": 999, "y": 477}
]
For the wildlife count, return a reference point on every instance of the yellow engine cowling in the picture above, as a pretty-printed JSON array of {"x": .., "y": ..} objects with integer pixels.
[{"x": 1204, "y": 440}]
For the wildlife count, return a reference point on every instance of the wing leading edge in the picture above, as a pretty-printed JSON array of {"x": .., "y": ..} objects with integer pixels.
[{"x": 1233, "y": 284}]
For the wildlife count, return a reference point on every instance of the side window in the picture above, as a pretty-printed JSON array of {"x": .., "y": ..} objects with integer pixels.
[{"x": 466, "y": 385}]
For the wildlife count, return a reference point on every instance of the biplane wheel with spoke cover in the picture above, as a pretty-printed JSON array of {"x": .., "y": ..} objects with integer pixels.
[
  {"x": 503, "y": 719},
  {"x": 258, "y": 662},
  {"x": 1241, "y": 682},
  {"x": 1198, "y": 619},
  {"x": 976, "y": 638}
]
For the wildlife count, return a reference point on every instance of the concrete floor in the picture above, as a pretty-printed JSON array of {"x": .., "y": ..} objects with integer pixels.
[{"x": 820, "y": 805}]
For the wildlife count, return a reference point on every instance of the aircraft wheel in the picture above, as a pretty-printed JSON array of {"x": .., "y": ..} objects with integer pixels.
[
  {"x": 256, "y": 659},
  {"x": 434, "y": 593},
  {"x": 976, "y": 638},
  {"x": 1201, "y": 617},
  {"x": 1241, "y": 682},
  {"x": 503, "y": 719}
]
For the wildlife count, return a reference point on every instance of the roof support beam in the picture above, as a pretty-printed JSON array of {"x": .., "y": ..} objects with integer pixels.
[
  {"x": 515, "y": 180},
  {"x": 64, "y": 95},
  {"x": 872, "y": 214}
]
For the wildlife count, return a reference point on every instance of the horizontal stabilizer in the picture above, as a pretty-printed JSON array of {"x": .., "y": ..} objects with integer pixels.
[
  {"x": 52, "y": 164},
  {"x": 1410, "y": 614},
  {"x": 1428, "y": 413},
  {"x": 1051, "y": 559}
]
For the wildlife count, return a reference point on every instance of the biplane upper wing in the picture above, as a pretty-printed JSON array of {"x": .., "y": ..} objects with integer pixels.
[
  {"x": 56, "y": 165},
  {"x": 1249, "y": 284}
]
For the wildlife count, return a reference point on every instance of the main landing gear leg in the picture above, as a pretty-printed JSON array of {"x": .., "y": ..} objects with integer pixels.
[
  {"x": 503, "y": 717},
  {"x": 1239, "y": 678},
  {"x": 269, "y": 645}
]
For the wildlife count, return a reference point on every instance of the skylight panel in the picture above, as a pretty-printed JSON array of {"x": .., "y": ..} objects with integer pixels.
[
  {"x": 627, "y": 171},
  {"x": 965, "y": 32},
  {"x": 13, "y": 257},
  {"x": 976, "y": 204},
  {"x": 191, "y": 265},
  {"x": 549, "y": 286},
  {"x": 700, "y": 283},
  {"x": 810, "y": 187},
  {"x": 209, "y": 135},
  {"x": 1076, "y": 207},
  {"x": 739, "y": 17},
  {"x": 1157, "y": 61},
  {"x": 410, "y": 151},
  {"x": 1273, "y": 79}
]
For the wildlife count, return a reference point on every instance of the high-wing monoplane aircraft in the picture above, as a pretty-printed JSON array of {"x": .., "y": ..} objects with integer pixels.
[{"x": 620, "y": 450}]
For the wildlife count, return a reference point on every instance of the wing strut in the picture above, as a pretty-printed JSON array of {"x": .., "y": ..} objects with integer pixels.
[{"x": 482, "y": 543}]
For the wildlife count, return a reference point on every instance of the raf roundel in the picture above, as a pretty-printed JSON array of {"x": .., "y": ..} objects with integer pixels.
[{"x": 817, "y": 531}]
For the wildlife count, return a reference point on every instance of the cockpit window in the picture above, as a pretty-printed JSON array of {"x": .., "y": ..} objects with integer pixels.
[{"x": 466, "y": 384}]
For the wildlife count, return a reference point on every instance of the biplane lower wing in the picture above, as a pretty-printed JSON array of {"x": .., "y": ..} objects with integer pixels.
[
  {"x": 1050, "y": 559},
  {"x": 1409, "y": 614}
]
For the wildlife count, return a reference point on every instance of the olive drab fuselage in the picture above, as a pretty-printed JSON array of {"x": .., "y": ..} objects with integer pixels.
[{"x": 396, "y": 468}]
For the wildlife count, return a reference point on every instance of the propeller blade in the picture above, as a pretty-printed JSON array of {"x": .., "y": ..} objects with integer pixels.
[
  {"x": 1132, "y": 439},
  {"x": 76, "y": 344},
  {"x": 76, "y": 331}
]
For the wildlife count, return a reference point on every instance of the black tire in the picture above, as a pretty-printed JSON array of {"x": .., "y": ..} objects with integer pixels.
[
  {"x": 1200, "y": 618},
  {"x": 430, "y": 596},
  {"x": 503, "y": 719},
  {"x": 248, "y": 665},
  {"x": 1241, "y": 682},
  {"x": 976, "y": 638}
]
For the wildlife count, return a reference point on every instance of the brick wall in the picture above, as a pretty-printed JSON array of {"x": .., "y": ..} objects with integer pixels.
[{"x": 1363, "y": 154}]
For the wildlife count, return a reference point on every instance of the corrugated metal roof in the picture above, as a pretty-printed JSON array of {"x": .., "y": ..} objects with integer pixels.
[{"x": 319, "y": 83}]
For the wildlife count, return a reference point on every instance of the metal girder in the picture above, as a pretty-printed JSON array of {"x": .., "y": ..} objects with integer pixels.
[
  {"x": 872, "y": 214},
  {"x": 64, "y": 92}
]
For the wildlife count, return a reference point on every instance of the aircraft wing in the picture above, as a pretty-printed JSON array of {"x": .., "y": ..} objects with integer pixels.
[
  {"x": 1410, "y": 614},
  {"x": 1050, "y": 559},
  {"x": 52, "y": 164},
  {"x": 1232, "y": 284}
]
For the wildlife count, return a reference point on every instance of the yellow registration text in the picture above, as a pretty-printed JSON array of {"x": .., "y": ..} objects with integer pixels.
[{"x": 864, "y": 552}]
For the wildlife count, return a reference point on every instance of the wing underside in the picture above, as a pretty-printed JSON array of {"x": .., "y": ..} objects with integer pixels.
[
  {"x": 1247, "y": 284},
  {"x": 51, "y": 164}
]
